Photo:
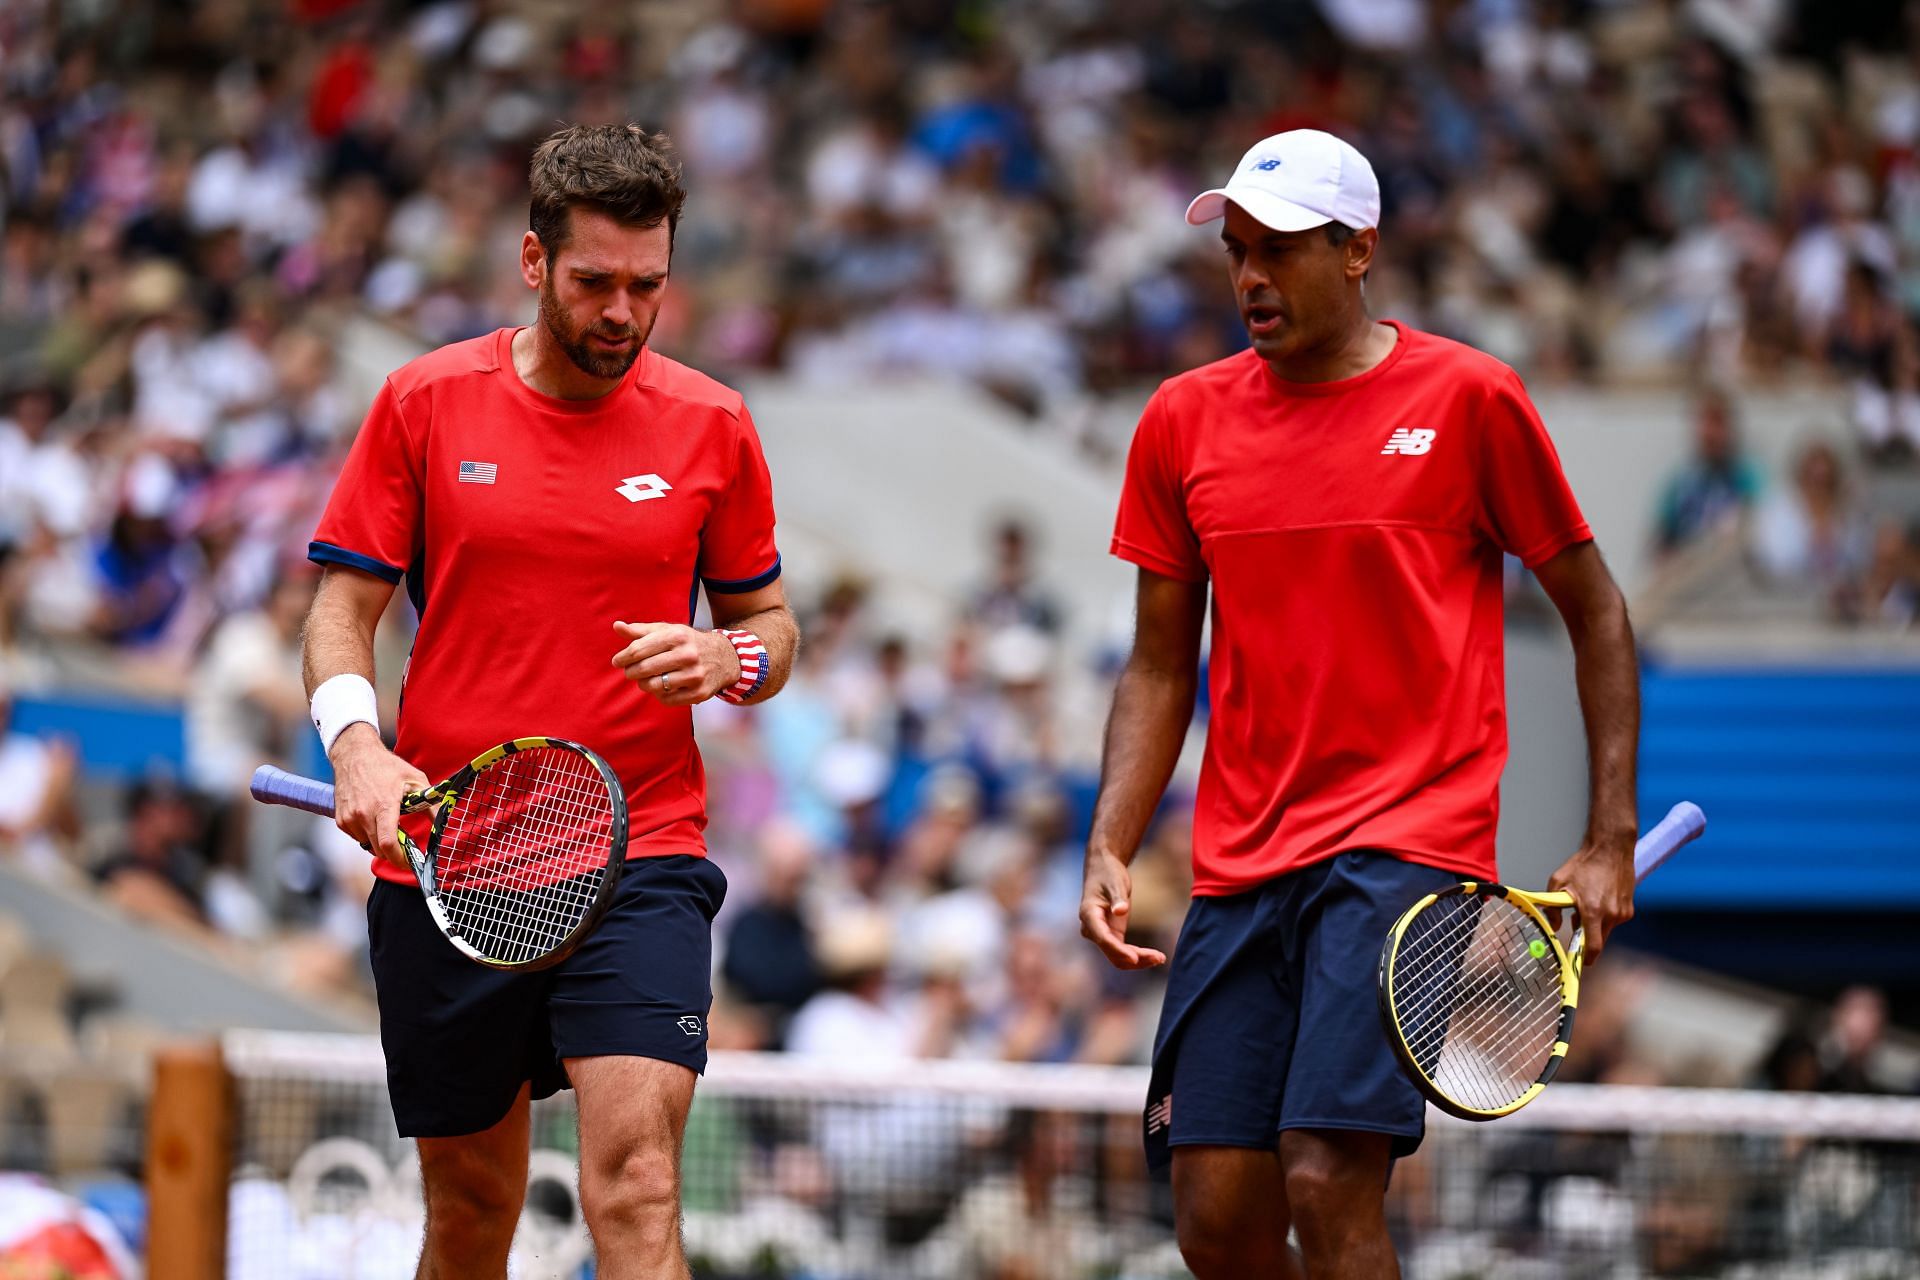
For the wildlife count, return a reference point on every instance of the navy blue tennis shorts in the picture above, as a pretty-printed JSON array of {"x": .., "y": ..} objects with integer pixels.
[
  {"x": 1271, "y": 1020},
  {"x": 460, "y": 1039}
]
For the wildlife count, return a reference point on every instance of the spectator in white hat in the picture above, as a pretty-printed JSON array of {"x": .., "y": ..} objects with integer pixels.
[{"x": 37, "y": 776}]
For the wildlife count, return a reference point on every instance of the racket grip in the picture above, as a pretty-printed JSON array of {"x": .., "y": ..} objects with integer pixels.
[
  {"x": 277, "y": 786},
  {"x": 1684, "y": 822}
]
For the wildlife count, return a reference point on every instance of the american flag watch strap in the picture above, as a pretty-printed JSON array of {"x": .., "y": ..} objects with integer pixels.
[{"x": 753, "y": 665}]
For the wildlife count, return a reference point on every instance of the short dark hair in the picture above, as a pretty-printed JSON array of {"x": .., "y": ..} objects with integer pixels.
[
  {"x": 1338, "y": 233},
  {"x": 620, "y": 170}
]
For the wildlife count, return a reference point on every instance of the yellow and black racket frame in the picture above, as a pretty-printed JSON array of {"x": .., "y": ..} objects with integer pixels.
[
  {"x": 442, "y": 797},
  {"x": 1534, "y": 905}
]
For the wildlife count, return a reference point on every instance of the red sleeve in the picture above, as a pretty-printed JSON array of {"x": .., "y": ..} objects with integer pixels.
[
  {"x": 1526, "y": 506},
  {"x": 1152, "y": 529},
  {"x": 372, "y": 522},
  {"x": 737, "y": 549}
]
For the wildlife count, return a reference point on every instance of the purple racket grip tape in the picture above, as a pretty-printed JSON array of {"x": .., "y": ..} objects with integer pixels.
[
  {"x": 1684, "y": 822},
  {"x": 277, "y": 786}
]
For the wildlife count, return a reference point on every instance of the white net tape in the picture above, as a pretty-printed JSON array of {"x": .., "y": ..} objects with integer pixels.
[{"x": 973, "y": 1170}]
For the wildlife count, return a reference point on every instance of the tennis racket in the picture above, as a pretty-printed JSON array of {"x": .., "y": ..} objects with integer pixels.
[
  {"x": 524, "y": 852},
  {"x": 1477, "y": 994}
]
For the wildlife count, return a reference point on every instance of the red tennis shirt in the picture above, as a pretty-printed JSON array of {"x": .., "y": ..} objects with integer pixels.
[
  {"x": 525, "y": 526},
  {"x": 1353, "y": 533}
]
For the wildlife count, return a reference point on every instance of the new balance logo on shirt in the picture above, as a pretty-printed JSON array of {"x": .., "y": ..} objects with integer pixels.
[
  {"x": 641, "y": 488},
  {"x": 1409, "y": 442},
  {"x": 1160, "y": 1114}
]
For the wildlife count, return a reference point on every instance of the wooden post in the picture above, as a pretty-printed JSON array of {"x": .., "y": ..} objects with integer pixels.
[{"x": 189, "y": 1163}]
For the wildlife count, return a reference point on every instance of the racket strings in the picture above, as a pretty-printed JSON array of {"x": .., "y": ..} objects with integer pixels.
[
  {"x": 1488, "y": 983},
  {"x": 1499, "y": 1024},
  {"x": 1477, "y": 993},
  {"x": 1490, "y": 1045},
  {"x": 1474, "y": 1068},
  {"x": 524, "y": 852},
  {"x": 1498, "y": 1052}
]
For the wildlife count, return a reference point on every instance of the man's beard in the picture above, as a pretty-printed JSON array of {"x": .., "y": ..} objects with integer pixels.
[{"x": 586, "y": 358}]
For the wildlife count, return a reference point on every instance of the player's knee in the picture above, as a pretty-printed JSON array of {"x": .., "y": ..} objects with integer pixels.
[
  {"x": 475, "y": 1203},
  {"x": 1326, "y": 1183},
  {"x": 1217, "y": 1236},
  {"x": 638, "y": 1191},
  {"x": 1316, "y": 1192},
  {"x": 1209, "y": 1255}
]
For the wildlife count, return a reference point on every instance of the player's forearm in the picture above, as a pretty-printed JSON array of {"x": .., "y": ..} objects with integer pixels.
[
  {"x": 338, "y": 638},
  {"x": 1608, "y": 675},
  {"x": 780, "y": 633},
  {"x": 1145, "y": 731}
]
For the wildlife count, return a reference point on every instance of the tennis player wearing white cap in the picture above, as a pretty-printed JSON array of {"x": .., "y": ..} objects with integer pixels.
[{"x": 1347, "y": 487}]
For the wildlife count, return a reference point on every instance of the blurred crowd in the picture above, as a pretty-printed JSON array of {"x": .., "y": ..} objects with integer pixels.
[
  {"x": 1592, "y": 190},
  {"x": 1825, "y": 537},
  {"x": 1841, "y": 1046},
  {"x": 220, "y": 223}
]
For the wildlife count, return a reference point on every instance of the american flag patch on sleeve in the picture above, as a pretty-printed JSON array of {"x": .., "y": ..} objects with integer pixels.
[{"x": 478, "y": 472}]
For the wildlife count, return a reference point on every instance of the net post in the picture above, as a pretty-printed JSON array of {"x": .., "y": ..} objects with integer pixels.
[{"x": 189, "y": 1162}]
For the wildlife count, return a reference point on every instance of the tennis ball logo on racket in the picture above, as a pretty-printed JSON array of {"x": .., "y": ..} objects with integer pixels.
[{"x": 1536, "y": 948}]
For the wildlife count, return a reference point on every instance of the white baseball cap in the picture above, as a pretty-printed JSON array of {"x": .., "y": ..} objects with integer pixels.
[{"x": 1295, "y": 181}]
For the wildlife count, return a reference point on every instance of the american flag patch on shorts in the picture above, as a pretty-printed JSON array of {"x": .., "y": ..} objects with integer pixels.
[{"x": 478, "y": 472}]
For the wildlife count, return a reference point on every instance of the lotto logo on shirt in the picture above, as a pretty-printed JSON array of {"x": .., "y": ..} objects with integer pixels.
[
  {"x": 1409, "y": 442},
  {"x": 643, "y": 488}
]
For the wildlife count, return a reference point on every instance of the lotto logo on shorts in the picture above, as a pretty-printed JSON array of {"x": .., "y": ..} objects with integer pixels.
[
  {"x": 1409, "y": 442},
  {"x": 690, "y": 1025}
]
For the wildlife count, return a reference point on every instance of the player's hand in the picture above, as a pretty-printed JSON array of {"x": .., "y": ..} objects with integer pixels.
[
  {"x": 368, "y": 784},
  {"x": 1104, "y": 904},
  {"x": 1600, "y": 878},
  {"x": 676, "y": 664}
]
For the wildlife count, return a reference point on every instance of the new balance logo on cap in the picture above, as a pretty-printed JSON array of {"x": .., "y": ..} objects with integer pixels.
[
  {"x": 1409, "y": 442},
  {"x": 641, "y": 488},
  {"x": 1296, "y": 181}
]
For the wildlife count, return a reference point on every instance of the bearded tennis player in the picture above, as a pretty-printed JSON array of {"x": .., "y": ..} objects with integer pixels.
[
  {"x": 1346, "y": 487},
  {"x": 554, "y": 496}
]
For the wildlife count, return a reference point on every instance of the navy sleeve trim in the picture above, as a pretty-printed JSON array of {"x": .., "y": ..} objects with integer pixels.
[
  {"x": 327, "y": 553},
  {"x": 740, "y": 586}
]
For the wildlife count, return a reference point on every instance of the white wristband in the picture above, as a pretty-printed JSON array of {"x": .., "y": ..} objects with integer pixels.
[{"x": 340, "y": 701}]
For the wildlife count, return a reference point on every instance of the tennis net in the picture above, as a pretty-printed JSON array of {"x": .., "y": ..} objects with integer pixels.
[{"x": 988, "y": 1171}]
